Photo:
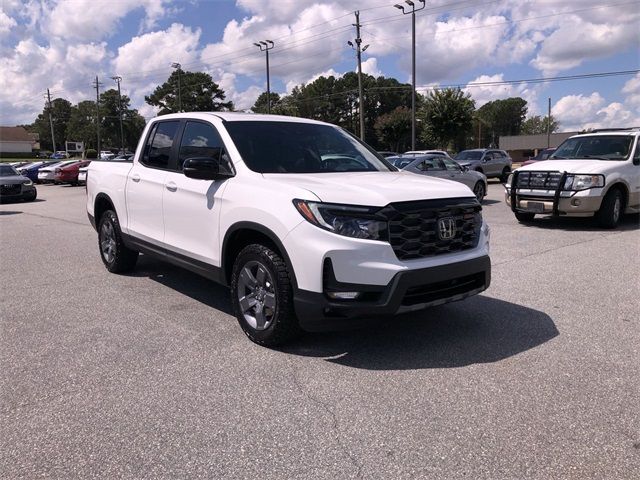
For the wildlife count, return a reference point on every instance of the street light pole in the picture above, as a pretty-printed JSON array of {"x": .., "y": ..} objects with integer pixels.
[
  {"x": 118, "y": 79},
  {"x": 413, "y": 63},
  {"x": 177, "y": 66},
  {"x": 359, "y": 51},
  {"x": 265, "y": 46}
]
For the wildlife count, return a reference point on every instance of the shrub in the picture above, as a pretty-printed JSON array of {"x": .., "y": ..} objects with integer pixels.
[{"x": 91, "y": 153}]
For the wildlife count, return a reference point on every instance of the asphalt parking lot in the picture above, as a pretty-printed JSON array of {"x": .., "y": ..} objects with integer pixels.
[{"x": 149, "y": 376}]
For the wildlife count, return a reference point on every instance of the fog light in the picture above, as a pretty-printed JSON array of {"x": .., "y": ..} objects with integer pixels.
[
  {"x": 576, "y": 202},
  {"x": 343, "y": 295}
]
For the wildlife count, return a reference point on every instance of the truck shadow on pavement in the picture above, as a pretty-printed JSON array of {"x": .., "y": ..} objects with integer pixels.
[
  {"x": 478, "y": 330},
  {"x": 627, "y": 222}
]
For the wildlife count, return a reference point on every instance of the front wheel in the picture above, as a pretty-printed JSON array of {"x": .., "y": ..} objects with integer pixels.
[
  {"x": 504, "y": 176},
  {"x": 611, "y": 210},
  {"x": 262, "y": 296},
  {"x": 115, "y": 255},
  {"x": 524, "y": 217},
  {"x": 479, "y": 191},
  {"x": 32, "y": 197}
]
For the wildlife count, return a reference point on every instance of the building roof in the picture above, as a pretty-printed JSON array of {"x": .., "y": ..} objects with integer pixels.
[
  {"x": 16, "y": 134},
  {"x": 531, "y": 142}
]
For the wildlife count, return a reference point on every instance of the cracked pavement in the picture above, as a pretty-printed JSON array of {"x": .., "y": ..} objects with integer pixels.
[{"x": 149, "y": 376}]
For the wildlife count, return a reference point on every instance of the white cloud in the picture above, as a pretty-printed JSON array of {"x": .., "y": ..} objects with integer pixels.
[
  {"x": 632, "y": 91},
  {"x": 370, "y": 67},
  {"x": 87, "y": 20},
  {"x": 486, "y": 93},
  {"x": 577, "y": 112},
  {"x": 6, "y": 23}
]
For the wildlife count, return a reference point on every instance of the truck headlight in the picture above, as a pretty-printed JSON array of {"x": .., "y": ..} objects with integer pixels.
[
  {"x": 348, "y": 220},
  {"x": 583, "y": 182}
]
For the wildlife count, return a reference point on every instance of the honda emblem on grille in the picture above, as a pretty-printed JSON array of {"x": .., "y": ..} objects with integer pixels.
[{"x": 446, "y": 228}]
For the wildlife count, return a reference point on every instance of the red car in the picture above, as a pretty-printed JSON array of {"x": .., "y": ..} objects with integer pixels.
[{"x": 69, "y": 173}]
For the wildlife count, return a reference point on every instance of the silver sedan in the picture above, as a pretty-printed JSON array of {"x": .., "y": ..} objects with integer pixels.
[{"x": 443, "y": 167}]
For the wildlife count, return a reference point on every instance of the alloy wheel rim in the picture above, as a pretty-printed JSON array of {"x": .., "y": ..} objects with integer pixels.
[
  {"x": 108, "y": 242},
  {"x": 256, "y": 295},
  {"x": 479, "y": 191},
  {"x": 616, "y": 209}
]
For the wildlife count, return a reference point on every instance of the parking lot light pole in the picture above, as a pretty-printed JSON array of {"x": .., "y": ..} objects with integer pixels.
[
  {"x": 265, "y": 46},
  {"x": 118, "y": 79},
  {"x": 413, "y": 62},
  {"x": 177, "y": 66}
]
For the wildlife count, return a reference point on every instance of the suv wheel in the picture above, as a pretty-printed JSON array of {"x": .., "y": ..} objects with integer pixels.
[
  {"x": 524, "y": 217},
  {"x": 479, "y": 191},
  {"x": 115, "y": 256},
  {"x": 262, "y": 296},
  {"x": 611, "y": 209},
  {"x": 505, "y": 175}
]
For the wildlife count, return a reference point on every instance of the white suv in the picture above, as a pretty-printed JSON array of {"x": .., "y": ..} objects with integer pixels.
[
  {"x": 593, "y": 174},
  {"x": 309, "y": 227}
]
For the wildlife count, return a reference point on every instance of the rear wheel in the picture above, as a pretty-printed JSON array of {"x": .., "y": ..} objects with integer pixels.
[
  {"x": 611, "y": 210},
  {"x": 115, "y": 255},
  {"x": 524, "y": 217},
  {"x": 479, "y": 191},
  {"x": 262, "y": 296}
]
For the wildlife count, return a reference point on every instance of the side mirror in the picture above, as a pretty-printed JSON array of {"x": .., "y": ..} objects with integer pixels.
[
  {"x": 204, "y": 168},
  {"x": 464, "y": 168}
]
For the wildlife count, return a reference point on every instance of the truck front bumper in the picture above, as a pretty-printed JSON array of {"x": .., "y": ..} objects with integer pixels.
[
  {"x": 583, "y": 203},
  {"x": 408, "y": 290}
]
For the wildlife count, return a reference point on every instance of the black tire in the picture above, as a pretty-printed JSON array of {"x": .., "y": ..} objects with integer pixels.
[
  {"x": 479, "y": 191},
  {"x": 506, "y": 171},
  {"x": 525, "y": 217},
  {"x": 114, "y": 254},
  {"x": 32, "y": 197},
  {"x": 611, "y": 210},
  {"x": 265, "y": 313}
]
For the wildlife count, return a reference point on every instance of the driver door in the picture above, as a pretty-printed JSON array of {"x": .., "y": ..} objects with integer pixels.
[{"x": 191, "y": 207}]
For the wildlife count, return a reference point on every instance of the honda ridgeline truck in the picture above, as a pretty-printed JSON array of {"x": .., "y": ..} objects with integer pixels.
[
  {"x": 307, "y": 225},
  {"x": 596, "y": 174}
]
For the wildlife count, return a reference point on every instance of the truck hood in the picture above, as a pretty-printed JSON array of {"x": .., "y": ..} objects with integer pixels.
[
  {"x": 375, "y": 189},
  {"x": 573, "y": 166}
]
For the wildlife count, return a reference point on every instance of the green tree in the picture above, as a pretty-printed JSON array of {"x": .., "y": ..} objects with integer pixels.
[
  {"x": 132, "y": 122},
  {"x": 60, "y": 112},
  {"x": 394, "y": 129},
  {"x": 503, "y": 117},
  {"x": 536, "y": 125},
  {"x": 82, "y": 124},
  {"x": 198, "y": 93},
  {"x": 447, "y": 117},
  {"x": 261, "y": 102}
]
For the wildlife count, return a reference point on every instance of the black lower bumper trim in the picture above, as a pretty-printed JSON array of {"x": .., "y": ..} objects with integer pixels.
[{"x": 407, "y": 291}]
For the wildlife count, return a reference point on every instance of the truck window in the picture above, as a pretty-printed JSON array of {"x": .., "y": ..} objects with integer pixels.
[
  {"x": 158, "y": 148},
  {"x": 199, "y": 140}
]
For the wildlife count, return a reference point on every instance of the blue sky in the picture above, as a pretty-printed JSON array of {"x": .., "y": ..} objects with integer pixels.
[{"x": 63, "y": 44}]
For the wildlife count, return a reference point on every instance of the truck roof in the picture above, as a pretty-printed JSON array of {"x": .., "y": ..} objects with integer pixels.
[{"x": 239, "y": 116}]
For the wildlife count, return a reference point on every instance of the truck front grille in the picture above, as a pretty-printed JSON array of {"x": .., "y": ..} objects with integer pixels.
[
  {"x": 539, "y": 180},
  {"x": 415, "y": 230}
]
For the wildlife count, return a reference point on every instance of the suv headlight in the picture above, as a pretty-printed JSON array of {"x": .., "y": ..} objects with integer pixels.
[
  {"x": 583, "y": 182},
  {"x": 348, "y": 220}
]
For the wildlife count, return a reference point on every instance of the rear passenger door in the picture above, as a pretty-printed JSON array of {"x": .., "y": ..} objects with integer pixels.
[
  {"x": 191, "y": 206},
  {"x": 146, "y": 180}
]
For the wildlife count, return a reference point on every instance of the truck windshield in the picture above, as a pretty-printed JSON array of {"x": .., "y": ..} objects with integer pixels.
[
  {"x": 296, "y": 147},
  {"x": 599, "y": 147}
]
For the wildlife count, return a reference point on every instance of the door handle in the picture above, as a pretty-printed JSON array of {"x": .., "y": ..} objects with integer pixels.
[
  {"x": 135, "y": 177},
  {"x": 172, "y": 187}
]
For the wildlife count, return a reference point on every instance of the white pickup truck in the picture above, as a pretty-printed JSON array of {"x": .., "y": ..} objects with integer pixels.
[
  {"x": 596, "y": 174},
  {"x": 310, "y": 228}
]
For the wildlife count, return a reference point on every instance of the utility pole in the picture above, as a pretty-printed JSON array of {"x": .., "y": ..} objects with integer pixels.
[
  {"x": 179, "y": 68},
  {"x": 118, "y": 79},
  {"x": 97, "y": 84},
  {"x": 53, "y": 138},
  {"x": 359, "y": 51},
  {"x": 413, "y": 63},
  {"x": 549, "y": 124},
  {"x": 265, "y": 46}
]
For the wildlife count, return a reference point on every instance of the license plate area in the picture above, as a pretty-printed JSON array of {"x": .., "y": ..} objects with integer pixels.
[{"x": 535, "y": 207}]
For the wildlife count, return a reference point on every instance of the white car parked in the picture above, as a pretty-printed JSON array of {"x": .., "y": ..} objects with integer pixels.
[
  {"x": 47, "y": 174},
  {"x": 309, "y": 227}
]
